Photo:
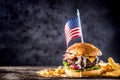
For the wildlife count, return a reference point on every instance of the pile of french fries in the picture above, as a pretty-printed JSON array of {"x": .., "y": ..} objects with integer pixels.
[
  {"x": 109, "y": 69},
  {"x": 57, "y": 72}
]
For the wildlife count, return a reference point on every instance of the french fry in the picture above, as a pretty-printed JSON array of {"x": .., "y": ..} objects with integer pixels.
[
  {"x": 108, "y": 68},
  {"x": 112, "y": 69},
  {"x": 57, "y": 70},
  {"x": 42, "y": 73},
  {"x": 62, "y": 71},
  {"x": 115, "y": 73},
  {"x": 102, "y": 64},
  {"x": 112, "y": 63},
  {"x": 57, "y": 74},
  {"x": 52, "y": 72}
]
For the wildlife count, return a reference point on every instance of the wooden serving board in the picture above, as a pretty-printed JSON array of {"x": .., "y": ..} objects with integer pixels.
[{"x": 29, "y": 73}]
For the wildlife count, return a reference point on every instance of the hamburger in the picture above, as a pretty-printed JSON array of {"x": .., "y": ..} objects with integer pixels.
[{"x": 81, "y": 59}]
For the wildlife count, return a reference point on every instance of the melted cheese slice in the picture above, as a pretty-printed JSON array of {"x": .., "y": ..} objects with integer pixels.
[{"x": 92, "y": 58}]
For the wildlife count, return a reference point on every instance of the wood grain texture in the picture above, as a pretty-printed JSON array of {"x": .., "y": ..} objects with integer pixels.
[{"x": 29, "y": 73}]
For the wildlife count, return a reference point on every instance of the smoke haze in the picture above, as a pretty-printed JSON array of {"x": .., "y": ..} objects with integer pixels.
[{"x": 32, "y": 31}]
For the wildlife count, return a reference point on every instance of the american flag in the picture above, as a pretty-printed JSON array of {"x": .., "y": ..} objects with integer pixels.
[{"x": 72, "y": 29}]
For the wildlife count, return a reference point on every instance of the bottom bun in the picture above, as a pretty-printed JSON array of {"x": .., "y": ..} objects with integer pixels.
[
  {"x": 92, "y": 73},
  {"x": 71, "y": 73}
]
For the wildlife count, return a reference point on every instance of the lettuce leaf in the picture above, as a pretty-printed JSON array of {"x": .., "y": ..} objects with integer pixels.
[
  {"x": 93, "y": 68},
  {"x": 66, "y": 64}
]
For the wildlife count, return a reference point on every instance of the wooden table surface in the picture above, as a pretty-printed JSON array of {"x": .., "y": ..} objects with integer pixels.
[{"x": 29, "y": 73}]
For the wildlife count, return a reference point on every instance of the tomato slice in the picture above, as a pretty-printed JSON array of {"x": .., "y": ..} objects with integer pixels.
[{"x": 75, "y": 67}]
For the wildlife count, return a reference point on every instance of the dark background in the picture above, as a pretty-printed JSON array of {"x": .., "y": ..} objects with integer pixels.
[{"x": 32, "y": 31}]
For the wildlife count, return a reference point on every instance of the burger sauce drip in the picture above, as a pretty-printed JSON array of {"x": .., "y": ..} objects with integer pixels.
[
  {"x": 84, "y": 61},
  {"x": 97, "y": 60},
  {"x": 78, "y": 62},
  {"x": 81, "y": 60}
]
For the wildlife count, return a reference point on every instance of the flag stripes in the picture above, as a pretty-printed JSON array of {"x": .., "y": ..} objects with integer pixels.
[{"x": 72, "y": 29}]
